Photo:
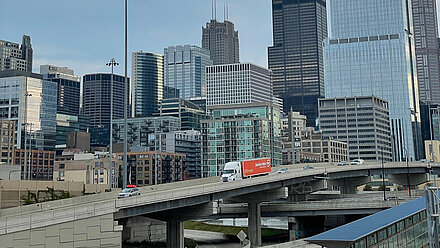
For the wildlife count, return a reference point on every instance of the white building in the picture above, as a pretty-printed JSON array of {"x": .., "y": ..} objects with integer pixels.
[{"x": 238, "y": 83}]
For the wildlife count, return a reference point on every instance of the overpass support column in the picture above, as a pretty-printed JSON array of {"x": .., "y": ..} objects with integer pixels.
[
  {"x": 175, "y": 234},
  {"x": 254, "y": 223},
  {"x": 293, "y": 228}
]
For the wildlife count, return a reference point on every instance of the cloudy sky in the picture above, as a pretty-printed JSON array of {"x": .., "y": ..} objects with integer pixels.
[{"x": 85, "y": 34}]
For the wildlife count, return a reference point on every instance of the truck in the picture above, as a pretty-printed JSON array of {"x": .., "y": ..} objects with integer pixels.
[{"x": 238, "y": 170}]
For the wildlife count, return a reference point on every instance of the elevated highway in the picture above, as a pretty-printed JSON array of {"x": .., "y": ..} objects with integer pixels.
[{"x": 102, "y": 215}]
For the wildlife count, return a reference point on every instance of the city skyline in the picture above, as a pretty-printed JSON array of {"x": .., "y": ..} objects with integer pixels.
[{"x": 84, "y": 41}]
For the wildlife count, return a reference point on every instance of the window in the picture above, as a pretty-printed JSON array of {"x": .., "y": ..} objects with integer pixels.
[{"x": 101, "y": 180}]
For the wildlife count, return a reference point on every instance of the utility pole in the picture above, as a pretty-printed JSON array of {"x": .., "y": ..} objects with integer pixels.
[
  {"x": 292, "y": 136},
  {"x": 26, "y": 96},
  {"x": 383, "y": 176},
  {"x": 432, "y": 215},
  {"x": 112, "y": 63},
  {"x": 124, "y": 169}
]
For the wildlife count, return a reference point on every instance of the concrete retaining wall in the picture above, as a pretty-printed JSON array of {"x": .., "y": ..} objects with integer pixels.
[
  {"x": 99, "y": 231},
  {"x": 140, "y": 229}
]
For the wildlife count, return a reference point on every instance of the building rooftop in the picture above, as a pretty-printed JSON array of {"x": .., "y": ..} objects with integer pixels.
[{"x": 347, "y": 234}]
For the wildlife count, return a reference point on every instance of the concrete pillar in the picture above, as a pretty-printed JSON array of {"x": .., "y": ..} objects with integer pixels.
[
  {"x": 175, "y": 234},
  {"x": 254, "y": 223},
  {"x": 293, "y": 227}
]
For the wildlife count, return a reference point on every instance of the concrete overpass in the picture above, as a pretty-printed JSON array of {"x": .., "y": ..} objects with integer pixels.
[{"x": 95, "y": 221}]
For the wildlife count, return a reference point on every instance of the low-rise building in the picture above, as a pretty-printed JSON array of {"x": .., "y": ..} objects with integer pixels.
[
  {"x": 434, "y": 148},
  {"x": 41, "y": 162},
  {"x": 7, "y": 141},
  {"x": 315, "y": 148},
  {"x": 89, "y": 170},
  {"x": 143, "y": 166}
]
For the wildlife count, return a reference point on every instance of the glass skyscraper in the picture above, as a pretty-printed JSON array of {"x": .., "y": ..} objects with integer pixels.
[
  {"x": 185, "y": 70},
  {"x": 370, "y": 51},
  {"x": 147, "y": 76},
  {"x": 296, "y": 57}
]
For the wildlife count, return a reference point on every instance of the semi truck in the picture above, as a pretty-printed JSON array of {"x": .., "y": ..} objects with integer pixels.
[{"x": 238, "y": 170}]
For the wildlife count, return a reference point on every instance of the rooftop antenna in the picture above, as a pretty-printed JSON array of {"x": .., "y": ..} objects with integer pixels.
[
  {"x": 215, "y": 9},
  {"x": 227, "y": 11},
  {"x": 224, "y": 12},
  {"x": 212, "y": 9}
]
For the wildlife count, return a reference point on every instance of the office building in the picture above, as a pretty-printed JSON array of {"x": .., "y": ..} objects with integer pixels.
[
  {"x": 240, "y": 132},
  {"x": 315, "y": 148},
  {"x": 184, "y": 70},
  {"x": 221, "y": 39},
  {"x": 199, "y": 101},
  {"x": 237, "y": 84},
  {"x": 424, "y": 16},
  {"x": 14, "y": 56},
  {"x": 41, "y": 162},
  {"x": 434, "y": 148},
  {"x": 143, "y": 166},
  {"x": 141, "y": 130},
  {"x": 189, "y": 113},
  {"x": 362, "y": 122},
  {"x": 296, "y": 57},
  {"x": 147, "y": 79},
  {"x": 78, "y": 141},
  {"x": 367, "y": 56},
  {"x": 28, "y": 98},
  {"x": 96, "y": 104},
  {"x": 298, "y": 121},
  {"x": 7, "y": 141}
]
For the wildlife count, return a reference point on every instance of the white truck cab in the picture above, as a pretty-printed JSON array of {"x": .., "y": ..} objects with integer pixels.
[{"x": 232, "y": 172}]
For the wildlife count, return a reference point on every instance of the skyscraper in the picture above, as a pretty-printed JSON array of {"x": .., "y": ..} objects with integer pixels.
[
  {"x": 96, "y": 104},
  {"x": 238, "y": 83},
  {"x": 14, "y": 56},
  {"x": 427, "y": 48},
  {"x": 296, "y": 57},
  {"x": 147, "y": 76},
  {"x": 370, "y": 51},
  {"x": 221, "y": 39},
  {"x": 185, "y": 70}
]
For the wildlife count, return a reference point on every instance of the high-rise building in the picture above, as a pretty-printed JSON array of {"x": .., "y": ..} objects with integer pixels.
[
  {"x": 424, "y": 15},
  {"x": 28, "y": 98},
  {"x": 141, "y": 130},
  {"x": 221, "y": 39},
  {"x": 96, "y": 103},
  {"x": 296, "y": 57},
  {"x": 239, "y": 132},
  {"x": 238, "y": 83},
  {"x": 370, "y": 51},
  {"x": 189, "y": 113},
  {"x": 69, "y": 118},
  {"x": 362, "y": 122},
  {"x": 14, "y": 56},
  {"x": 147, "y": 79},
  {"x": 184, "y": 70}
]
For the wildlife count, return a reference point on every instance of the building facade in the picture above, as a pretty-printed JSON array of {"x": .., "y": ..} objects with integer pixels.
[
  {"x": 14, "y": 56},
  {"x": 143, "y": 166},
  {"x": 296, "y": 57},
  {"x": 370, "y": 51},
  {"x": 7, "y": 141},
  {"x": 184, "y": 70},
  {"x": 424, "y": 15},
  {"x": 42, "y": 163},
  {"x": 147, "y": 80},
  {"x": 141, "y": 131},
  {"x": 28, "y": 98},
  {"x": 240, "y": 132},
  {"x": 362, "y": 122},
  {"x": 221, "y": 39},
  {"x": 96, "y": 104},
  {"x": 189, "y": 113},
  {"x": 314, "y": 148},
  {"x": 237, "y": 84}
]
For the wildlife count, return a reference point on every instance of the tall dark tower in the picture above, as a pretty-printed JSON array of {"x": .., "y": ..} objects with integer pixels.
[
  {"x": 296, "y": 57},
  {"x": 221, "y": 39},
  {"x": 27, "y": 52}
]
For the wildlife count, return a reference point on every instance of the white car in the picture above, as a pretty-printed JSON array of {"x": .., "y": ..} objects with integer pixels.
[
  {"x": 357, "y": 161},
  {"x": 282, "y": 170},
  {"x": 129, "y": 192}
]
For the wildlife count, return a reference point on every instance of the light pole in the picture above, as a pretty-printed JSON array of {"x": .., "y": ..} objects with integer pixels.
[
  {"x": 30, "y": 150},
  {"x": 383, "y": 176},
  {"x": 292, "y": 136},
  {"x": 124, "y": 169},
  {"x": 26, "y": 95},
  {"x": 112, "y": 63}
]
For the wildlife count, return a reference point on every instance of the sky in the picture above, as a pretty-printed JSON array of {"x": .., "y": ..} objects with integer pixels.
[{"x": 85, "y": 34}]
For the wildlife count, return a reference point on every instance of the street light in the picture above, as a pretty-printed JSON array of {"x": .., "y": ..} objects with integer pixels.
[
  {"x": 112, "y": 63},
  {"x": 26, "y": 95},
  {"x": 124, "y": 169}
]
